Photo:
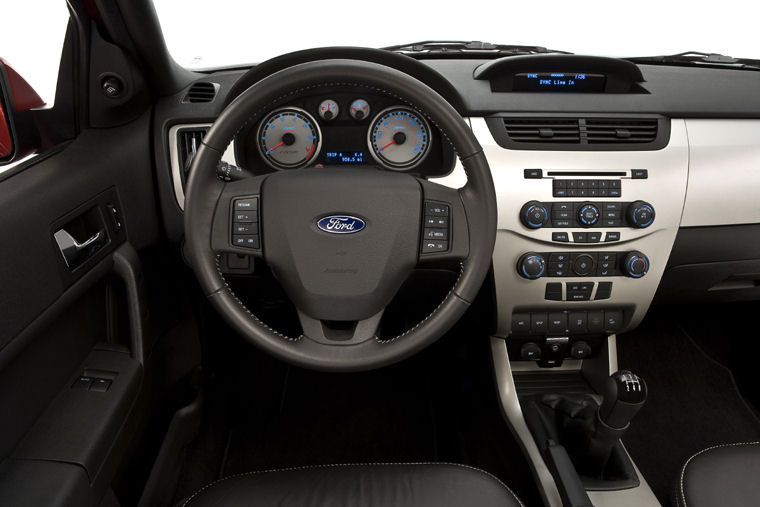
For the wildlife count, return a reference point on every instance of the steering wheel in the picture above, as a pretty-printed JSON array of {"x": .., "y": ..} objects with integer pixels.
[{"x": 350, "y": 278}]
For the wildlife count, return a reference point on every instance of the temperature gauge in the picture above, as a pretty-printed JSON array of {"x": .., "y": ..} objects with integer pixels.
[
  {"x": 328, "y": 110},
  {"x": 359, "y": 109}
]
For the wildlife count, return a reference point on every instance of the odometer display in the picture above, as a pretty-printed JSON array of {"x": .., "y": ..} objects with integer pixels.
[
  {"x": 289, "y": 138},
  {"x": 399, "y": 138}
]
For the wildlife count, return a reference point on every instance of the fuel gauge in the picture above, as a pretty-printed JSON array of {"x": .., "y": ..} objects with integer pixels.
[
  {"x": 359, "y": 109},
  {"x": 328, "y": 110}
]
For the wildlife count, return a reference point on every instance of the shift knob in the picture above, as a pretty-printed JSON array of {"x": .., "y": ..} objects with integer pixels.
[{"x": 624, "y": 394}]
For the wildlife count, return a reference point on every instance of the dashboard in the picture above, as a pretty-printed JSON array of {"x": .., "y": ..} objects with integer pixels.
[{"x": 618, "y": 185}]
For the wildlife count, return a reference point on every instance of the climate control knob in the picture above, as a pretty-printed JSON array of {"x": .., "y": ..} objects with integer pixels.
[
  {"x": 531, "y": 266},
  {"x": 635, "y": 264},
  {"x": 534, "y": 215},
  {"x": 640, "y": 214},
  {"x": 588, "y": 214}
]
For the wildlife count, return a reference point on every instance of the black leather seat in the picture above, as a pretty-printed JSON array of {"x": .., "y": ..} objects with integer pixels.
[
  {"x": 376, "y": 485},
  {"x": 724, "y": 475}
]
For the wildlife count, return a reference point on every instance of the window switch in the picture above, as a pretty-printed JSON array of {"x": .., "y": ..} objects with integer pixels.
[
  {"x": 100, "y": 385},
  {"x": 82, "y": 382}
]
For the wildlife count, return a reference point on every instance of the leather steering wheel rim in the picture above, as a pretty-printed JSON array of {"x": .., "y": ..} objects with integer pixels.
[{"x": 204, "y": 189}]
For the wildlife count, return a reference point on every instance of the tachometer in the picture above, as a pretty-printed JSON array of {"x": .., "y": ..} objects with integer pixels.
[
  {"x": 399, "y": 138},
  {"x": 289, "y": 138}
]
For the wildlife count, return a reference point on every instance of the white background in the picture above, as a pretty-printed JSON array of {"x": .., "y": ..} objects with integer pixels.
[{"x": 211, "y": 33}]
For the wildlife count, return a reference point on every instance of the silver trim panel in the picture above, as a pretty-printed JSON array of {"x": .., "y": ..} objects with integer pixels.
[
  {"x": 665, "y": 189},
  {"x": 724, "y": 173},
  {"x": 179, "y": 191}
]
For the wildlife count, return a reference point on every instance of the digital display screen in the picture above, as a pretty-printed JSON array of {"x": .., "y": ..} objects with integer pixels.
[
  {"x": 344, "y": 157},
  {"x": 574, "y": 82}
]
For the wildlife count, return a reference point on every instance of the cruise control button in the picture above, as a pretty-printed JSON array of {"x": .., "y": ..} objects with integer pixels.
[
  {"x": 247, "y": 241},
  {"x": 245, "y": 228},
  {"x": 245, "y": 216},
  {"x": 251, "y": 204}
]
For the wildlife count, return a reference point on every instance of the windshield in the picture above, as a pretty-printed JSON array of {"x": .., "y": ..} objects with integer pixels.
[{"x": 224, "y": 33}]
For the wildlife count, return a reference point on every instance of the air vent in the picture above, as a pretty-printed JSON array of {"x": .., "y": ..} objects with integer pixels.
[
  {"x": 588, "y": 133},
  {"x": 602, "y": 130},
  {"x": 201, "y": 92},
  {"x": 543, "y": 130},
  {"x": 188, "y": 143}
]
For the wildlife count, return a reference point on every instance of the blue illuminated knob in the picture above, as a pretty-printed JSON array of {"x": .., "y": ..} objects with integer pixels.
[
  {"x": 531, "y": 266},
  {"x": 534, "y": 215},
  {"x": 635, "y": 264},
  {"x": 640, "y": 214},
  {"x": 588, "y": 215}
]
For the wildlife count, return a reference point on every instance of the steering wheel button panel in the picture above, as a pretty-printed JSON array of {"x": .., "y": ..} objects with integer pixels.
[
  {"x": 245, "y": 223},
  {"x": 436, "y": 228}
]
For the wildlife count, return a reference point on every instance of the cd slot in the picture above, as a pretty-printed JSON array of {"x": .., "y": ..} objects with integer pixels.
[{"x": 587, "y": 173}]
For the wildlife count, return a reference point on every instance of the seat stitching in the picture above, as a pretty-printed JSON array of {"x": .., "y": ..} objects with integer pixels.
[
  {"x": 339, "y": 465},
  {"x": 683, "y": 470}
]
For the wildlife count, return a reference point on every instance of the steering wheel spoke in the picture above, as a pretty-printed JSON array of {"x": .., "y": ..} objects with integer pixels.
[
  {"x": 237, "y": 225},
  {"x": 445, "y": 238},
  {"x": 340, "y": 333}
]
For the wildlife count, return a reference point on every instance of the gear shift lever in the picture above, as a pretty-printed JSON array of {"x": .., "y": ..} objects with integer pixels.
[{"x": 623, "y": 395}]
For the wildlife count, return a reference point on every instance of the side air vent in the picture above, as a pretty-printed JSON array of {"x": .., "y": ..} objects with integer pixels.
[
  {"x": 188, "y": 143},
  {"x": 620, "y": 131},
  {"x": 543, "y": 130},
  {"x": 201, "y": 92},
  {"x": 184, "y": 143},
  {"x": 587, "y": 133}
]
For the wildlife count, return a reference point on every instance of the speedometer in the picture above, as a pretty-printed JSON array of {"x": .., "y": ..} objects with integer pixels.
[
  {"x": 399, "y": 138},
  {"x": 289, "y": 138}
]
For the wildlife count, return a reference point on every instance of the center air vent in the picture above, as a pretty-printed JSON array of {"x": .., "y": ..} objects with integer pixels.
[
  {"x": 589, "y": 133},
  {"x": 603, "y": 130},
  {"x": 201, "y": 92},
  {"x": 543, "y": 130}
]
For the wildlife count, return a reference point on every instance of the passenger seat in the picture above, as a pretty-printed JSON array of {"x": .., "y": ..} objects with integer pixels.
[{"x": 723, "y": 475}]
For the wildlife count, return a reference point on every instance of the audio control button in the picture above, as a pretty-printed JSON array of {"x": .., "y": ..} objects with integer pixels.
[
  {"x": 534, "y": 215},
  {"x": 560, "y": 236},
  {"x": 588, "y": 215}
]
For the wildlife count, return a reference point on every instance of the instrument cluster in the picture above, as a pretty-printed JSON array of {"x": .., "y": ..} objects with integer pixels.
[{"x": 344, "y": 128}]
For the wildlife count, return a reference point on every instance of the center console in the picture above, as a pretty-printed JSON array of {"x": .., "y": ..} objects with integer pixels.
[{"x": 583, "y": 239}]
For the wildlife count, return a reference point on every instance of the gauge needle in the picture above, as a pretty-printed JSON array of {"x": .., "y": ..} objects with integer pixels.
[
  {"x": 384, "y": 147},
  {"x": 274, "y": 148}
]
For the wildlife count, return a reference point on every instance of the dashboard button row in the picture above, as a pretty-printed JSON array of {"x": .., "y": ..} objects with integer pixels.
[{"x": 563, "y": 322}]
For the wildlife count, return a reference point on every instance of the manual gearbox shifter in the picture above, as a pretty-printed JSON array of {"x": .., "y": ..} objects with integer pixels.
[{"x": 624, "y": 393}]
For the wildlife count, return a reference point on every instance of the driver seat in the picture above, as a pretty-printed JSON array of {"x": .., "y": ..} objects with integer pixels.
[{"x": 365, "y": 485}]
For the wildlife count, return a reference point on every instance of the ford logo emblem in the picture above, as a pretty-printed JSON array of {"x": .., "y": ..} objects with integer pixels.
[{"x": 341, "y": 224}]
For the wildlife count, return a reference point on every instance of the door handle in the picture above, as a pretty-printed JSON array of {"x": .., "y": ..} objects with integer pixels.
[{"x": 74, "y": 252}]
